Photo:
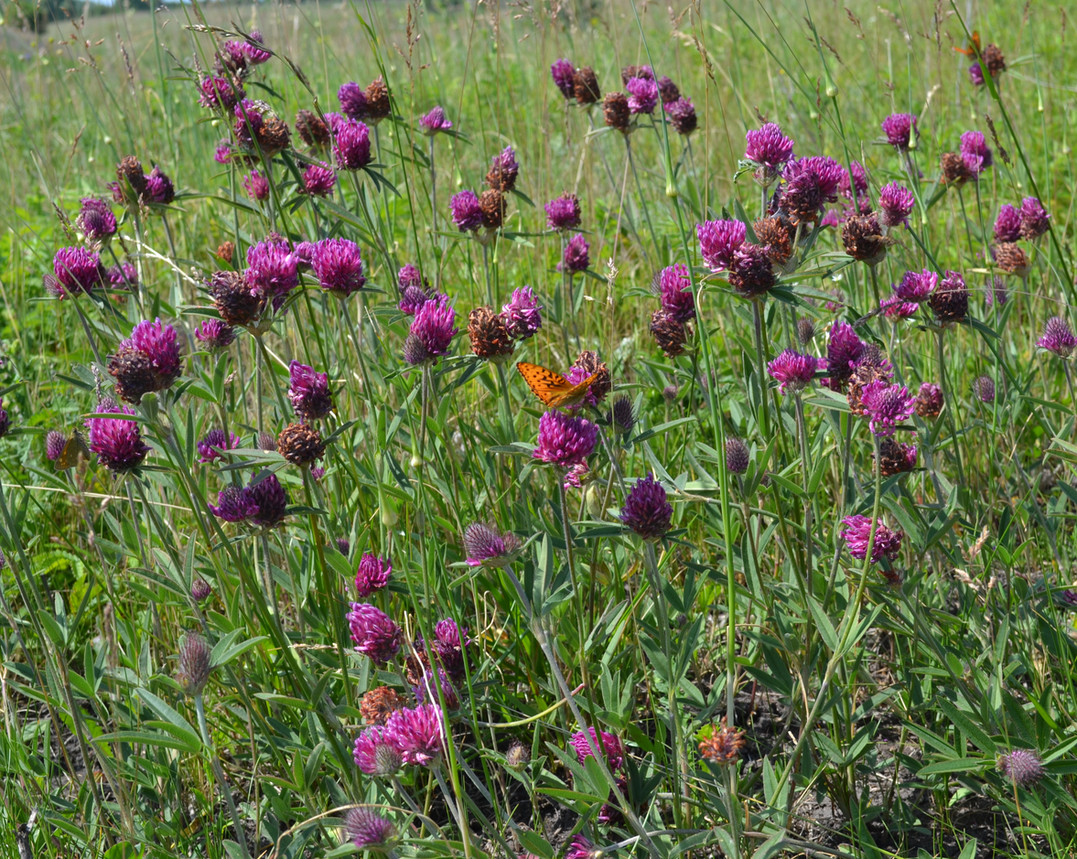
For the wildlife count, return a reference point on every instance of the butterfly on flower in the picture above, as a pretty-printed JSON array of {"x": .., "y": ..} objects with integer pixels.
[
  {"x": 74, "y": 448},
  {"x": 973, "y": 47},
  {"x": 552, "y": 388}
]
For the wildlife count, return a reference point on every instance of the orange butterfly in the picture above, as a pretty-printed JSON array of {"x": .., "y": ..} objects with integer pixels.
[
  {"x": 973, "y": 47},
  {"x": 552, "y": 388}
]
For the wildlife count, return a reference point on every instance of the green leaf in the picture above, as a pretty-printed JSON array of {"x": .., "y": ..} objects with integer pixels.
[
  {"x": 164, "y": 710},
  {"x": 959, "y": 765},
  {"x": 225, "y": 650},
  {"x": 966, "y": 726}
]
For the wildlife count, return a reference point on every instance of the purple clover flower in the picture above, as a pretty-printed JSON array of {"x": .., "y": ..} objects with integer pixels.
[
  {"x": 160, "y": 344},
  {"x": 116, "y": 441},
  {"x": 96, "y": 220},
  {"x": 647, "y": 510},
  {"x": 675, "y": 288},
  {"x": 886, "y": 406},
  {"x": 352, "y": 98},
  {"x": 768, "y": 147},
  {"x": 719, "y": 240},
  {"x": 374, "y": 633},
  {"x": 270, "y": 500},
  {"x": 234, "y": 504},
  {"x": 375, "y": 753},
  {"x": 522, "y": 313},
  {"x": 565, "y": 441},
  {"x": 586, "y": 743},
  {"x": 895, "y": 205},
  {"x": 794, "y": 370},
  {"x": 257, "y": 185},
  {"x": 319, "y": 180},
  {"x": 272, "y": 268},
  {"x": 682, "y": 115},
  {"x": 351, "y": 144},
  {"x": 642, "y": 95},
  {"x": 1058, "y": 337},
  {"x": 976, "y": 74},
  {"x": 975, "y": 153},
  {"x": 843, "y": 350},
  {"x": 485, "y": 547},
  {"x": 1034, "y": 219},
  {"x": 254, "y": 48},
  {"x": 894, "y": 308},
  {"x": 916, "y": 286},
  {"x": 1021, "y": 766},
  {"x": 434, "y": 121},
  {"x": 55, "y": 442},
  {"x": 367, "y": 829},
  {"x": 1008, "y": 224},
  {"x": 372, "y": 574},
  {"x": 577, "y": 257},
  {"x": 338, "y": 265},
  {"x": 159, "y": 188},
  {"x": 563, "y": 213},
  {"x": 214, "y": 334},
  {"x": 417, "y": 734},
  {"x": 434, "y": 326},
  {"x": 78, "y": 270},
  {"x": 857, "y": 533},
  {"x": 900, "y": 130},
  {"x": 212, "y": 446},
  {"x": 308, "y": 391},
  {"x": 563, "y": 73},
  {"x": 465, "y": 211},
  {"x": 450, "y": 644}
]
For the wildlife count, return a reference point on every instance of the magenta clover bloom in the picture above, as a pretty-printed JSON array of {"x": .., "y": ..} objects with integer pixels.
[
  {"x": 565, "y": 441},
  {"x": 269, "y": 498},
  {"x": 719, "y": 240},
  {"x": 375, "y": 753},
  {"x": 450, "y": 645},
  {"x": 417, "y": 734},
  {"x": 257, "y": 185},
  {"x": 843, "y": 350},
  {"x": 214, "y": 334},
  {"x": 886, "y": 406},
  {"x": 434, "y": 121},
  {"x": 1034, "y": 219},
  {"x": 77, "y": 270},
  {"x": 580, "y": 847},
  {"x": 353, "y": 102},
  {"x": 675, "y": 287},
  {"x": 272, "y": 268},
  {"x": 254, "y": 48},
  {"x": 1021, "y": 766},
  {"x": 338, "y": 265},
  {"x": 96, "y": 220},
  {"x": 563, "y": 73},
  {"x": 212, "y": 446},
  {"x": 586, "y": 743},
  {"x": 916, "y": 286},
  {"x": 234, "y": 504},
  {"x": 434, "y": 326},
  {"x": 900, "y": 129},
  {"x": 55, "y": 442},
  {"x": 856, "y": 535},
  {"x": 563, "y": 213},
  {"x": 642, "y": 95},
  {"x": 159, "y": 188},
  {"x": 983, "y": 387},
  {"x": 522, "y": 313},
  {"x": 1008, "y": 224},
  {"x": 895, "y": 205},
  {"x": 374, "y": 633},
  {"x": 794, "y": 370},
  {"x": 577, "y": 255},
  {"x": 372, "y": 574},
  {"x": 367, "y": 829},
  {"x": 318, "y": 180},
  {"x": 116, "y": 441},
  {"x": 485, "y": 547},
  {"x": 682, "y": 115},
  {"x": 220, "y": 93},
  {"x": 465, "y": 211},
  {"x": 894, "y": 308},
  {"x": 1057, "y": 337},
  {"x": 768, "y": 147},
  {"x": 647, "y": 510},
  {"x": 975, "y": 152},
  {"x": 351, "y": 144},
  {"x": 976, "y": 74},
  {"x": 309, "y": 392}
]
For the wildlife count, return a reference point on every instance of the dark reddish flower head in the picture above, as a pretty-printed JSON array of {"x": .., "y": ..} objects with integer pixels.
[
  {"x": 675, "y": 289},
  {"x": 577, "y": 255},
  {"x": 352, "y": 100},
  {"x": 751, "y": 273},
  {"x": 1034, "y": 219},
  {"x": 503, "y": 171},
  {"x": 372, "y": 574},
  {"x": 844, "y": 348},
  {"x": 682, "y": 115},
  {"x": 647, "y": 510},
  {"x": 309, "y": 392},
  {"x": 96, "y": 220},
  {"x": 975, "y": 153}
]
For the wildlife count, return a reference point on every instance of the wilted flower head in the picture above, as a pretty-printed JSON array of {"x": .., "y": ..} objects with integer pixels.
[
  {"x": 1021, "y": 766},
  {"x": 503, "y": 171},
  {"x": 900, "y": 130},
  {"x": 374, "y": 632},
  {"x": 856, "y": 535},
  {"x": 372, "y": 575},
  {"x": 577, "y": 256},
  {"x": 929, "y": 401},
  {"x": 719, "y": 240},
  {"x": 863, "y": 239},
  {"x": 895, "y": 204},
  {"x": 808, "y": 184},
  {"x": 615, "y": 112},
  {"x": 585, "y": 86},
  {"x": 642, "y": 95},
  {"x": 896, "y": 457},
  {"x": 368, "y": 830},
  {"x": 793, "y": 370},
  {"x": 489, "y": 334},
  {"x": 1034, "y": 219},
  {"x": 313, "y": 130},
  {"x": 563, "y": 73},
  {"x": 417, "y": 733},
  {"x": 751, "y": 272},
  {"x": 682, "y": 115},
  {"x": 194, "y": 663},
  {"x": 434, "y": 121},
  {"x": 563, "y": 213},
  {"x": 351, "y": 144},
  {"x": 587, "y": 743},
  {"x": 1057, "y": 337},
  {"x": 308, "y": 392},
  {"x": 522, "y": 313},
  {"x": 723, "y": 746},
  {"x": 950, "y": 299},
  {"x": 667, "y": 90},
  {"x": 646, "y": 510},
  {"x": 212, "y": 445},
  {"x": 377, "y": 703},
  {"x": 675, "y": 287}
]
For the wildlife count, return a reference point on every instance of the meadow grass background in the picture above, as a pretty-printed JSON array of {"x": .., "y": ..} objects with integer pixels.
[{"x": 873, "y": 718}]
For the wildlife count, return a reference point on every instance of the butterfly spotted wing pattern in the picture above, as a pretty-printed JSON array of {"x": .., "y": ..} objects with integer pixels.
[{"x": 553, "y": 389}]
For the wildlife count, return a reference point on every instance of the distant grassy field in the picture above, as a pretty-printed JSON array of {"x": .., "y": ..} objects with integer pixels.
[{"x": 766, "y": 550}]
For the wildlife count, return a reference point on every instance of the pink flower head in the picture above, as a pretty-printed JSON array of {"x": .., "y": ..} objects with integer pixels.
[
  {"x": 417, "y": 734},
  {"x": 719, "y": 240},
  {"x": 856, "y": 535},
  {"x": 886, "y": 406},
  {"x": 372, "y": 575},
  {"x": 900, "y": 129},
  {"x": 585, "y": 744},
  {"x": 793, "y": 370}
]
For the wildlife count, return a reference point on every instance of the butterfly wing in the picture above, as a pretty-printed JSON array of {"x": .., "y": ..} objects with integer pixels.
[
  {"x": 74, "y": 447},
  {"x": 973, "y": 47},
  {"x": 575, "y": 393},
  {"x": 545, "y": 384}
]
